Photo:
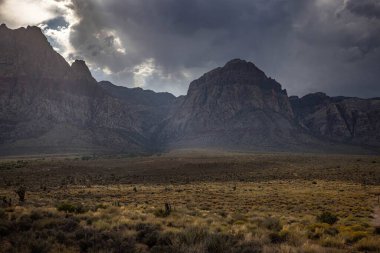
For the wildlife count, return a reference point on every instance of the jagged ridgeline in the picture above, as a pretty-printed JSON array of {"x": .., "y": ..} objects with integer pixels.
[{"x": 48, "y": 106}]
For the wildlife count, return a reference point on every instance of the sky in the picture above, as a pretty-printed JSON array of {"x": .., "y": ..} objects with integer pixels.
[{"x": 332, "y": 46}]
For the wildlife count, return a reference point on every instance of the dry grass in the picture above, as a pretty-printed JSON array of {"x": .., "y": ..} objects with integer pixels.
[{"x": 220, "y": 203}]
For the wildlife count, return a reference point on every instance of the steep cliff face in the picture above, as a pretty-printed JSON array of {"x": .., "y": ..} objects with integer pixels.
[
  {"x": 235, "y": 106},
  {"x": 48, "y": 105},
  {"x": 342, "y": 119}
]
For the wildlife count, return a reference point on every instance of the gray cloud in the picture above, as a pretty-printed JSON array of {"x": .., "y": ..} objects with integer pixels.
[
  {"x": 365, "y": 8},
  {"x": 316, "y": 45}
]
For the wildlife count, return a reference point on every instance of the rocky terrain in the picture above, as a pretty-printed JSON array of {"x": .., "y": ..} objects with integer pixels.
[
  {"x": 342, "y": 119},
  {"x": 236, "y": 106},
  {"x": 48, "y": 106}
]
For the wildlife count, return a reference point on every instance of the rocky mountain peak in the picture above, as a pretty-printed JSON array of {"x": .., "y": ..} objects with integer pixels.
[
  {"x": 236, "y": 72},
  {"x": 3, "y": 26},
  {"x": 238, "y": 84},
  {"x": 242, "y": 66},
  {"x": 80, "y": 70}
]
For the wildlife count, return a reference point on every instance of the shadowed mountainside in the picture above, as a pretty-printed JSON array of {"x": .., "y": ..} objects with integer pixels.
[
  {"x": 46, "y": 105},
  {"x": 342, "y": 119},
  {"x": 49, "y": 106}
]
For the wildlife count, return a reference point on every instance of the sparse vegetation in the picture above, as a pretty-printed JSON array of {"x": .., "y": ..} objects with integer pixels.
[
  {"x": 163, "y": 212},
  {"x": 21, "y": 191},
  {"x": 327, "y": 217},
  {"x": 191, "y": 204},
  {"x": 70, "y": 208}
]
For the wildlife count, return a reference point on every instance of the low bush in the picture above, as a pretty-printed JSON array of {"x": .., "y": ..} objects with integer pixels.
[
  {"x": 354, "y": 236},
  {"x": 5, "y": 227},
  {"x": 3, "y": 214},
  {"x": 272, "y": 223},
  {"x": 369, "y": 245},
  {"x": 147, "y": 234},
  {"x": 21, "y": 191},
  {"x": 71, "y": 208},
  {"x": 163, "y": 212},
  {"x": 39, "y": 246},
  {"x": 24, "y": 223},
  {"x": 278, "y": 237},
  {"x": 327, "y": 217}
]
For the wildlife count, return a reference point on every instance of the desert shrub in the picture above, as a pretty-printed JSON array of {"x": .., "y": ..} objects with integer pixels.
[
  {"x": 147, "y": 234},
  {"x": 39, "y": 246},
  {"x": 317, "y": 230},
  {"x": 69, "y": 224},
  {"x": 217, "y": 242},
  {"x": 3, "y": 214},
  {"x": 5, "y": 227},
  {"x": 6, "y": 202},
  {"x": 86, "y": 158},
  {"x": 193, "y": 235},
  {"x": 61, "y": 237},
  {"x": 272, "y": 223},
  {"x": 35, "y": 215},
  {"x": 331, "y": 231},
  {"x": 24, "y": 223},
  {"x": 327, "y": 217},
  {"x": 99, "y": 206},
  {"x": 201, "y": 240},
  {"x": 279, "y": 237},
  {"x": 354, "y": 236},
  {"x": 248, "y": 247},
  {"x": 85, "y": 245},
  {"x": 164, "y": 244},
  {"x": 71, "y": 208},
  {"x": 95, "y": 241},
  {"x": 21, "y": 193},
  {"x": 163, "y": 212},
  {"x": 369, "y": 245},
  {"x": 332, "y": 242}
]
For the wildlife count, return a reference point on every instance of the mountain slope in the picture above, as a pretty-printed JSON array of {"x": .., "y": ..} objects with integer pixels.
[
  {"x": 50, "y": 106},
  {"x": 342, "y": 119},
  {"x": 236, "y": 106}
]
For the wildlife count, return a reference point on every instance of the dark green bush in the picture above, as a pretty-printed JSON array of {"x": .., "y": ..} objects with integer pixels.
[
  {"x": 21, "y": 191},
  {"x": 71, "y": 208},
  {"x": 278, "y": 237},
  {"x": 39, "y": 246},
  {"x": 24, "y": 223},
  {"x": 147, "y": 234},
  {"x": 5, "y": 227},
  {"x": 3, "y": 214},
  {"x": 327, "y": 217},
  {"x": 86, "y": 158}
]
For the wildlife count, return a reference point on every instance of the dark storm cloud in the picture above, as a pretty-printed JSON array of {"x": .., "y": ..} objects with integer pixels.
[
  {"x": 316, "y": 45},
  {"x": 366, "y": 8}
]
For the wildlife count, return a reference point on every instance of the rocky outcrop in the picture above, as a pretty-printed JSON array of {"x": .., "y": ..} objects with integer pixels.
[
  {"x": 49, "y": 106},
  {"x": 236, "y": 106},
  {"x": 342, "y": 119}
]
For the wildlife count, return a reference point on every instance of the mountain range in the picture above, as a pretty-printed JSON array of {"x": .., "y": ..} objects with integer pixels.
[{"x": 50, "y": 106}]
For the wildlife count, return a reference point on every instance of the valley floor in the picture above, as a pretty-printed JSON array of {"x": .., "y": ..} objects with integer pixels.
[{"x": 191, "y": 201}]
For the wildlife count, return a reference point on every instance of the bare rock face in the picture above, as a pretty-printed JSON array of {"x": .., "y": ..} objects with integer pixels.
[
  {"x": 235, "y": 106},
  {"x": 342, "y": 119},
  {"x": 46, "y": 105}
]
